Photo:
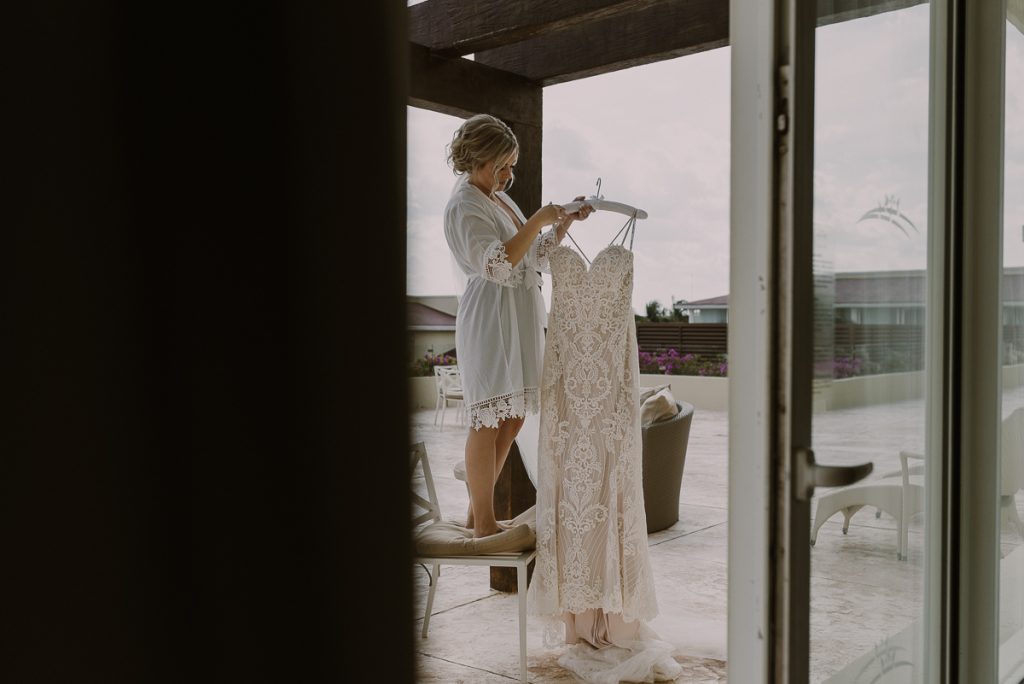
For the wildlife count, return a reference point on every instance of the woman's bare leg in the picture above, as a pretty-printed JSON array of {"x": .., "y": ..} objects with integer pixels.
[
  {"x": 480, "y": 457},
  {"x": 500, "y": 441},
  {"x": 507, "y": 432}
]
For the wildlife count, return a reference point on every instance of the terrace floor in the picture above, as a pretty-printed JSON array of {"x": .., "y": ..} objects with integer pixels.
[{"x": 861, "y": 594}]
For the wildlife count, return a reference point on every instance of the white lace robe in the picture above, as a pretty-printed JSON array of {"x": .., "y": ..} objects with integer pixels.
[{"x": 499, "y": 329}]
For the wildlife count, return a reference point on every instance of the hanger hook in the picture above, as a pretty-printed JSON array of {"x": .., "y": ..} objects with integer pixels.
[{"x": 598, "y": 193}]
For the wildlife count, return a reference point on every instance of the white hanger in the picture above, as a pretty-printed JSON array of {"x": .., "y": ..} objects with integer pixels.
[{"x": 599, "y": 203}]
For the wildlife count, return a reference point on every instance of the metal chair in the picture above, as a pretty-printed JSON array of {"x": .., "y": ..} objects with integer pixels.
[{"x": 430, "y": 514}]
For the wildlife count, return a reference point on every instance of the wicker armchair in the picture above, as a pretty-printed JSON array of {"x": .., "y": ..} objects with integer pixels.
[{"x": 664, "y": 453}]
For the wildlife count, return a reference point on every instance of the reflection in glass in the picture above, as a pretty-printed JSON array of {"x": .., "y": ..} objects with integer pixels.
[{"x": 870, "y": 261}]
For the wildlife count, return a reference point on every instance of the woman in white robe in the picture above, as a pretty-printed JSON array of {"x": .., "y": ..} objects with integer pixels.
[{"x": 499, "y": 329}]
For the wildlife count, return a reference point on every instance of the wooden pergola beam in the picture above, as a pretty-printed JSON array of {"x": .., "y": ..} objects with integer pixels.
[
  {"x": 461, "y": 87},
  {"x": 460, "y": 27},
  {"x": 659, "y": 31}
]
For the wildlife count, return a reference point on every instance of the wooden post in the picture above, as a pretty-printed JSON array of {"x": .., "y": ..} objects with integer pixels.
[
  {"x": 513, "y": 494},
  {"x": 527, "y": 187}
]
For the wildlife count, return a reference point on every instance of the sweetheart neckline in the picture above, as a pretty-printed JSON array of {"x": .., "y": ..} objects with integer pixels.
[{"x": 583, "y": 261}]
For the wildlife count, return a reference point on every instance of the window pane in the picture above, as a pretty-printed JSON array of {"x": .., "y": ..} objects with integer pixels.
[{"x": 870, "y": 261}]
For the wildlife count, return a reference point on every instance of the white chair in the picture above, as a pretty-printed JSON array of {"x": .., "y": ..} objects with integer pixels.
[
  {"x": 884, "y": 496},
  {"x": 905, "y": 499},
  {"x": 912, "y": 483},
  {"x": 430, "y": 514},
  {"x": 902, "y": 500},
  {"x": 449, "y": 389},
  {"x": 1011, "y": 476}
]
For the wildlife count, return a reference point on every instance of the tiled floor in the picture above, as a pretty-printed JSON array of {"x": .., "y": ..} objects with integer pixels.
[{"x": 861, "y": 593}]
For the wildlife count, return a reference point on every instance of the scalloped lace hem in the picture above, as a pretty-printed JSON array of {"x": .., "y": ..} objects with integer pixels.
[{"x": 513, "y": 405}]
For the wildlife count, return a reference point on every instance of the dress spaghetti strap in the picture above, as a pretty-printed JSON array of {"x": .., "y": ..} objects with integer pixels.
[{"x": 628, "y": 229}]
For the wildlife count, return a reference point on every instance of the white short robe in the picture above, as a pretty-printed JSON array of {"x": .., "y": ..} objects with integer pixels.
[{"x": 499, "y": 329}]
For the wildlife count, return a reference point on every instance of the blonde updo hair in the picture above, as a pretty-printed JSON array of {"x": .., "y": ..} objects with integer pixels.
[{"x": 480, "y": 139}]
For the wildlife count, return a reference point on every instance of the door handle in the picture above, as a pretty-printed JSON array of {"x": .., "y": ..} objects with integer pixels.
[{"x": 810, "y": 474}]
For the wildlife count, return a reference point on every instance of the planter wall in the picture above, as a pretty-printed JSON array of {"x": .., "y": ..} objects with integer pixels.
[
  {"x": 703, "y": 393},
  {"x": 888, "y": 388},
  {"x": 422, "y": 392},
  {"x": 867, "y": 390},
  {"x": 712, "y": 394}
]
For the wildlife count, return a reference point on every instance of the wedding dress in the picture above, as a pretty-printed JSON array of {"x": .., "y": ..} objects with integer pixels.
[{"x": 593, "y": 569}]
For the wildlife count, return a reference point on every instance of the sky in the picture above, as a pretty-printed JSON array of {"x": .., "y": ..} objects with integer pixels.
[{"x": 658, "y": 137}]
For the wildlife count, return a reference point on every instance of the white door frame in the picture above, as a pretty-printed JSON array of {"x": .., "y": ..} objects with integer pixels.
[{"x": 752, "y": 202}]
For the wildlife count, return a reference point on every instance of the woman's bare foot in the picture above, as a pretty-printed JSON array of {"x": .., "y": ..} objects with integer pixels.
[{"x": 477, "y": 534}]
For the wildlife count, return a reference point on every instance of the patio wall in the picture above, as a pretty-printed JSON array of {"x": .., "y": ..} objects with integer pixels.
[
  {"x": 865, "y": 390},
  {"x": 712, "y": 394},
  {"x": 888, "y": 388}
]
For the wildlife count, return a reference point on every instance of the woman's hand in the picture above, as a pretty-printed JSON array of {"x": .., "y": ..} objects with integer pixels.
[
  {"x": 550, "y": 213},
  {"x": 583, "y": 212}
]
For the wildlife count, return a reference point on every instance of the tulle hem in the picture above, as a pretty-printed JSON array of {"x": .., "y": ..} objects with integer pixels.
[
  {"x": 602, "y": 648},
  {"x": 644, "y": 660}
]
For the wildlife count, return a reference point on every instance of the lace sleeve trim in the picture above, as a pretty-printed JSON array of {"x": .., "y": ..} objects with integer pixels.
[
  {"x": 513, "y": 405},
  {"x": 498, "y": 268},
  {"x": 545, "y": 243}
]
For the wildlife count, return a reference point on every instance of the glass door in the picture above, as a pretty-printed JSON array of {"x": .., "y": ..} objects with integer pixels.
[
  {"x": 866, "y": 345},
  {"x": 870, "y": 266}
]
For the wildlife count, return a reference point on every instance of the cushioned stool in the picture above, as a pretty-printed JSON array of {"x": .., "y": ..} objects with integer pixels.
[{"x": 445, "y": 538}]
